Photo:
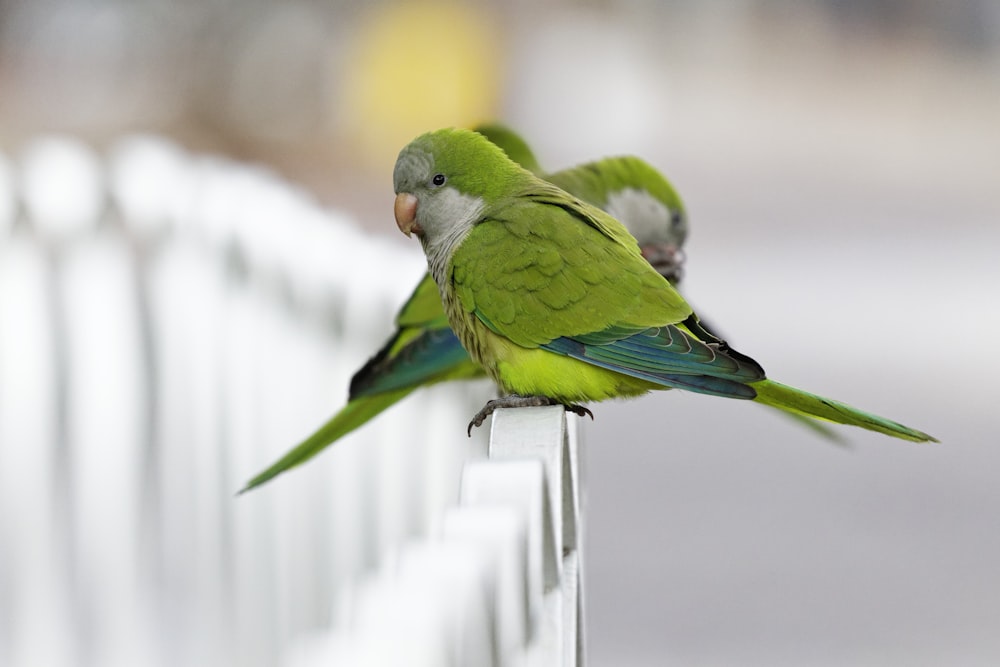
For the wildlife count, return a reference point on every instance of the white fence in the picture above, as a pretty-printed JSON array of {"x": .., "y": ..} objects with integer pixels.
[
  {"x": 170, "y": 324},
  {"x": 500, "y": 585}
]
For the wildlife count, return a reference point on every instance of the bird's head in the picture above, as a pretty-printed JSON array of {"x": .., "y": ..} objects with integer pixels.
[
  {"x": 633, "y": 192},
  {"x": 444, "y": 180},
  {"x": 656, "y": 217},
  {"x": 653, "y": 213}
]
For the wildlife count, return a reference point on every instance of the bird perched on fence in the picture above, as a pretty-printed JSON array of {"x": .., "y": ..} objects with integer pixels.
[
  {"x": 424, "y": 351},
  {"x": 551, "y": 296}
]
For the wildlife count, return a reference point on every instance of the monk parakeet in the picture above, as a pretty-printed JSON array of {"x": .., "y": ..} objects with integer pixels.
[
  {"x": 552, "y": 297},
  {"x": 424, "y": 351}
]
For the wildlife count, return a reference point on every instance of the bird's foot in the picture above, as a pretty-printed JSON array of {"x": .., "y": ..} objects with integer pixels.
[
  {"x": 515, "y": 401},
  {"x": 579, "y": 410}
]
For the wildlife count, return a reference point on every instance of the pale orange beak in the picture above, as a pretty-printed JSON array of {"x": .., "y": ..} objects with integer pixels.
[
  {"x": 666, "y": 258},
  {"x": 405, "y": 211}
]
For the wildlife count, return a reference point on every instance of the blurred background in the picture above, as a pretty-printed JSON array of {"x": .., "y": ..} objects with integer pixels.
[{"x": 840, "y": 162}]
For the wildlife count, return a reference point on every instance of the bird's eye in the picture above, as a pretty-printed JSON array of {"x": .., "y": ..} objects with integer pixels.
[
  {"x": 676, "y": 218},
  {"x": 438, "y": 180}
]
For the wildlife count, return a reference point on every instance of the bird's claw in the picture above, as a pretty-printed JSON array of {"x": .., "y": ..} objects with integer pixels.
[
  {"x": 521, "y": 402},
  {"x": 487, "y": 410},
  {"x": 480, "y": 417}
]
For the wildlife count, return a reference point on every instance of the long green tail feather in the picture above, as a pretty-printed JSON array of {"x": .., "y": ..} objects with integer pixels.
[
  {"x": 820, "y": 428},
  {"x": 801, "y": 402},
  {"x": 357, "y": 412}
]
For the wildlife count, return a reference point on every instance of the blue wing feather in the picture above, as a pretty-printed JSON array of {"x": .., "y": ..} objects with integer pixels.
[
  {"x": 434, "y": 352},
  {"x": 668, "y": 356}
]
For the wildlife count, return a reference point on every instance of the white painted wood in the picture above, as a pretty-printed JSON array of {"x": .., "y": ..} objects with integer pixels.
[
  {"x": 519, "y": 485},
  {"x": 400, "y": 622},
  {"x": 37, "y": 603},
  {"x": 543, "y": 434},
  {"x": 145, "y": 175},
  {"x": 62, "y": 185},
  {"x": 537, "y": 434},
  {"x": 455, "y": 575},
  {"x": 8, "y": 197},
  {"x": 106, "y": 443},
  {"x": 500, "y": 533},
  {"x": 211, "y": 316},
  {"x": 186, "y": 292},
  {"x": 573, "y": 501}
]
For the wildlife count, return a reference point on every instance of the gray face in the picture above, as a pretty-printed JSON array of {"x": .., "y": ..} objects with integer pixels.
[
  {"x": 444, "y": 214},
  {"x": 413, "y": 168},
  {"x": 647, "y": 218},
  {"x": 659, "y": 230}
]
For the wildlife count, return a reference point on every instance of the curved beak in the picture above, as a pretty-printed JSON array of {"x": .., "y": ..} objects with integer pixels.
[
  {"x": 405, "y": 210},
  {"x": 666, "y": 258}
]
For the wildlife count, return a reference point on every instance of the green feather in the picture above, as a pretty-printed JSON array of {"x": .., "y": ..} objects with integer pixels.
[
  {"x": 417, "y": 356},
  {"x": 423, "y": 308},
  {"x": 547, "y": 266},
  {"x": 544, "y": 290},
  {"x": 356, "y": 413},
  {"x": 598, "y": 182},
  {"x": 796, "y": 401}
]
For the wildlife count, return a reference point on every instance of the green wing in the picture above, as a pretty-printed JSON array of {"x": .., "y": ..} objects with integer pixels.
[
  {"x": 552, "y": 272},
  {"x": 422, "y": 351},
  {"x": 548, "y": 265},
  {"x": 353, "y": 415},
  {"x": 423, "y": 308},
  {"x": 430, "y": 356}
]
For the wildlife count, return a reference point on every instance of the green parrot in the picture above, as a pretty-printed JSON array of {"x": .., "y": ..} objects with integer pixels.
[
  {"x": 424, "y": 351},
  {"x": 552, "y": 297}
]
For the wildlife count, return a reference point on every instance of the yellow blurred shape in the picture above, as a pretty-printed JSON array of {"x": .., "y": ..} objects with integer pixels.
[{"x": 418, "y": 66}]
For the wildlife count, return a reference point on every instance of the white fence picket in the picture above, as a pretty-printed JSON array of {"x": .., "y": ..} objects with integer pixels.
[{"x": 35, "y": 575}]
